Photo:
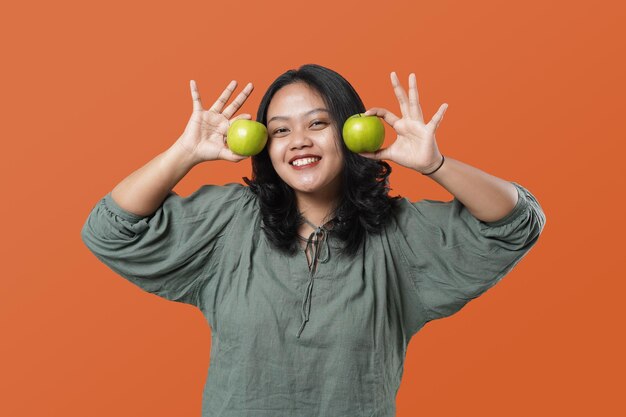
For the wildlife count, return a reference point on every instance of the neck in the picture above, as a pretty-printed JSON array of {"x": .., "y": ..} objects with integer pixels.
[
  {"x": 316, "y": 209},
  {"x": 317, "y": 212}
]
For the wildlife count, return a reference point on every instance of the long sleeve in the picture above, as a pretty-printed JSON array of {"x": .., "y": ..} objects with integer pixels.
[
  {"x": 170, "y": 252},
  {"x": 453, "y": 257}
]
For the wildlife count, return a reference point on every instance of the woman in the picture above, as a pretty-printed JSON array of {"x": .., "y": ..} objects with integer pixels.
[{"x": 312, "y": 278}]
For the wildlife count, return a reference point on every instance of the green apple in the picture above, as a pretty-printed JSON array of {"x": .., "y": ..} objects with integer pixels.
[
  {"x": 363, "y": 133},
  {"x": 246, "y": 137}
]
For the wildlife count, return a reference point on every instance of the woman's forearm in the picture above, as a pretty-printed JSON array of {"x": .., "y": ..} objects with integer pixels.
[
  {"x": 143, "y": 191},
  {"x": 487, "y": 197}
]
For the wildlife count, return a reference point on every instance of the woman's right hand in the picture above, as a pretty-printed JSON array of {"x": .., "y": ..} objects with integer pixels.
[{"x": 205, "y": 135}]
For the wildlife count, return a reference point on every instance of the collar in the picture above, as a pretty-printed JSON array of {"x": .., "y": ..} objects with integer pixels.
[{"x": 316, "y": 243}]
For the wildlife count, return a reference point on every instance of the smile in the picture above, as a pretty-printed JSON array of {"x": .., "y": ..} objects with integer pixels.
[{"x": 305, "y": 162}]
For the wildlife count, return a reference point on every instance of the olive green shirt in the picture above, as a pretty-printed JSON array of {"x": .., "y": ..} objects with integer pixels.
[{"x": 294, "y": 342}]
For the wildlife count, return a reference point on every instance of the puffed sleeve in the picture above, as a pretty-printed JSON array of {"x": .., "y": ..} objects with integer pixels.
[
  {"x": 168, "y": 252},
  {"x": 453, "y": 257}
]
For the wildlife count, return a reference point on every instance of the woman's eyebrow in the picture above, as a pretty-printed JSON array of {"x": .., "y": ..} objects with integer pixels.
[{"x": 305, "y": 114}]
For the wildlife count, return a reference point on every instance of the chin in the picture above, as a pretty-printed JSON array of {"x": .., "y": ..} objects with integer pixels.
[
  {"x": 307, "y": 189},
  {"x": 312, "y": 186},
  {"x": 313, "y": 189}
]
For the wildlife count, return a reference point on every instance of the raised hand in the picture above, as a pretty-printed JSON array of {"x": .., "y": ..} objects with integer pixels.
[
  {"x": 205, "y": 134},
  {"x": 415, "y": 146}
]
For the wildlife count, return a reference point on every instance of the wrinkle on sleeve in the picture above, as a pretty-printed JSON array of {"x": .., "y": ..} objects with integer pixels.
[
  {"x": 454, "y": 257},
  {"x": 168, "y": 252}
]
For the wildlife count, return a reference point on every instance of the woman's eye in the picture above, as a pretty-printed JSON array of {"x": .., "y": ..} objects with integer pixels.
[{"x": 280, "y": 130}]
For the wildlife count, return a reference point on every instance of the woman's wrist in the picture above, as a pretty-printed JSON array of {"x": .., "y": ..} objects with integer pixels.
[
  {"x": 434, "y": 167},
  {"x": 182, "y": 155}
]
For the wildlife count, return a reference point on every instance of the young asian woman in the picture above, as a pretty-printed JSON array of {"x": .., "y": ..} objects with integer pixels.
[{"x": 312, "y": 278}]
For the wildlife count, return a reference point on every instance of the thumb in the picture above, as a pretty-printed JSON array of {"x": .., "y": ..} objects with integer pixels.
[
  {"x": 241, "y": 116},
  {"x": 232, "y": 156},
  {"x": 378, "y": 155}
]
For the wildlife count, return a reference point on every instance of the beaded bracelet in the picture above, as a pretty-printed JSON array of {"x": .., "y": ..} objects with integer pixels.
[{"x": 443, "y": 158}]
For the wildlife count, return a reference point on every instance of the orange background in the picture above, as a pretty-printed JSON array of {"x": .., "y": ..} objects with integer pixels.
[{"x": 93, "y": 91}]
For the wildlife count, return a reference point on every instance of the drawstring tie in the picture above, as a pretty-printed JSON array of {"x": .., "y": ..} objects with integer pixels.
[{"x": 321, "y": 234}]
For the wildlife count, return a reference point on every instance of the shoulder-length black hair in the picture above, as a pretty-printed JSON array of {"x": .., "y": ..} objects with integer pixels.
[{"x": 364, "y": 206}]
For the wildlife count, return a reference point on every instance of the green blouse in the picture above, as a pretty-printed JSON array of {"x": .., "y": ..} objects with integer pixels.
[{"x": 290, "y": 341}]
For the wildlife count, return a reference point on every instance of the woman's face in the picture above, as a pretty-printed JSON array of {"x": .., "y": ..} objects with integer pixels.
[{"x": 300, "y": 129}]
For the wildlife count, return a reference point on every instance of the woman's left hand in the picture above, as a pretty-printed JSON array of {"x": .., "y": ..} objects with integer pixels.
[{"x": 416, "y": 146}]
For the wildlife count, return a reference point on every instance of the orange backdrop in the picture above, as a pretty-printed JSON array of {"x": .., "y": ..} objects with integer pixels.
[{"x": 92, "y": 91}]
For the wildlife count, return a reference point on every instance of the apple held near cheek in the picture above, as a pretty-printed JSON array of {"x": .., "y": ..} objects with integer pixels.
[
  {"x": 363, "y": 133},
  {"x": 246, "y": 137}
]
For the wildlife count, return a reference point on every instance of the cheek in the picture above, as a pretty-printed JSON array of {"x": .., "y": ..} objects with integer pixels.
[
  {"x": 337, "y": 152},
  {"x": 275, "y": 154},
  {"x": 271, "y": 149}
]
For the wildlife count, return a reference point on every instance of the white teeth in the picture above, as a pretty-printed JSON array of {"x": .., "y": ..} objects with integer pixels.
[{"x": 304, "y": 161}]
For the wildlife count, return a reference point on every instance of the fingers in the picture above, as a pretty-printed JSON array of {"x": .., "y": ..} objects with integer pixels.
[
  {"x": 414, "y": 103},
  {"x": 223, "y": 98},
  {"x": 400, "y": 95},
  {"x": 238, "y": 102},
  {"x": 387, "y": 116},
  {"x": 195, "y": 96},
  {"x": 434, "y": 122}
]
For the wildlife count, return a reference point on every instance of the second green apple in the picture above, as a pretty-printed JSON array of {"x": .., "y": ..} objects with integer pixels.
[
  {"x": 246, "y": 137},
  {"x": 363, "y": 133}
]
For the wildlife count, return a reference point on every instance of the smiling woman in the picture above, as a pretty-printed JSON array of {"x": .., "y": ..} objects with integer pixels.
[{"x": 324, "y": 331}]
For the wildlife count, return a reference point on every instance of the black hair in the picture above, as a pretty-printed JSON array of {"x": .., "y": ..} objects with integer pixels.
[{"x": 364, "y": 206}]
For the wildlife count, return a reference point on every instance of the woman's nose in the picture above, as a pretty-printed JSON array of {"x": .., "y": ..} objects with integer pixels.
[{"x": 299, "y": 139}]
